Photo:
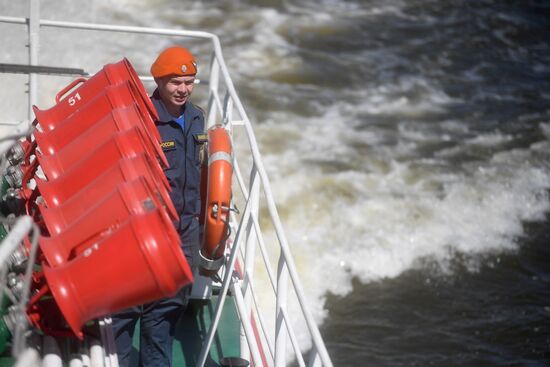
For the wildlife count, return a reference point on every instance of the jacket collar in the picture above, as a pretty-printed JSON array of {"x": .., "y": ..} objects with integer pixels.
[{"x": 190, "y": 112}]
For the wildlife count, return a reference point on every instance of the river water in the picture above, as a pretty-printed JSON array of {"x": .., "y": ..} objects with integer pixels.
[{"x": 408, "y": 145}]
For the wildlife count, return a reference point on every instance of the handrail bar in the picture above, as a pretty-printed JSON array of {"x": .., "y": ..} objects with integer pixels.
[
  {"x": 111, "y": 28},
  {"x": 269, "y": 342},
  {"x": 39, "y": 69},
  {"x": 13, "y": 20}
]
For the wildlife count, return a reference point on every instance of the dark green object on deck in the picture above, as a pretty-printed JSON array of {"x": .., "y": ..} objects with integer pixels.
[
  {"x": 5, "y": 335},
  {"x": 3, "y": 232},
  {"x": 4, "y": 186}
]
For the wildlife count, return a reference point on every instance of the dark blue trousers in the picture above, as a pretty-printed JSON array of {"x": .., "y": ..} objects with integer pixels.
[
  {"x": 157, "y": 319},
  {"x": 157, "y": 325}
]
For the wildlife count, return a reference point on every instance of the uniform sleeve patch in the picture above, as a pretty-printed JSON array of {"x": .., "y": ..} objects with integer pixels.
[
  {"x": 168, "y": 145},
  {"x": 201, "y": 138}
]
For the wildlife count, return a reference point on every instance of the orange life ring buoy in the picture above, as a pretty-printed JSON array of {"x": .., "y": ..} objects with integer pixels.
[{"x": 216, "y": 206}]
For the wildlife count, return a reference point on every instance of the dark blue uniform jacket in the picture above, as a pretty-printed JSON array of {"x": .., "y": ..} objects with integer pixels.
[{"x": 182, "y": 149}]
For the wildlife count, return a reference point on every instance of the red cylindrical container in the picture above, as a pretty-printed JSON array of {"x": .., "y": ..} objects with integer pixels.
[
  {"x": 127, "y": 144},
  {"x": 58, "y": 191},
  {"x": 140, "y": 262},
  {"x": 69, "y": 130},
  {"x": 125, "y": 170},
  {"x": 70, "y": 100},
  {"x": 124, "y": 200},
  {"x": 83, "y": 144},
  {"x": 104, "y": 102},
  {"x": 75, "y": 227}
]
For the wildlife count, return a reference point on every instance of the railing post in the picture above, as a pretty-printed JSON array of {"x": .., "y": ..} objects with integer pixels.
[
  {"x": 228, "y": 112},
  {"x": 34, "y": 39},
  {"x": 314, "y": 360},
  {"x": 280, "y": 326},
  {"x": 246, "y": 324},
  {"x": 250, "y": 252},
  {"x": 213, "y": 90}
]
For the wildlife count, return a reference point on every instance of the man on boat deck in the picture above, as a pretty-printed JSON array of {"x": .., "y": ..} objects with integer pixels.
[{"x": 181, "y": 127}]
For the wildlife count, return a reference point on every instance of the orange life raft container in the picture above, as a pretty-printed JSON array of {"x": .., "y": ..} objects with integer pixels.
[{"x": 217, "y": 189}]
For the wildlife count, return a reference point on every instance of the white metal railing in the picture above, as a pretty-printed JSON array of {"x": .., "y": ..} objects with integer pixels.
[
  {"x": 262, "y": 346},
  {"x": 14, "y": 238}
]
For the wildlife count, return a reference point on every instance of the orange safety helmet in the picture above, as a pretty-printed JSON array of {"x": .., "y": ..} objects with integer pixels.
[{"x": 175, "y": 60}]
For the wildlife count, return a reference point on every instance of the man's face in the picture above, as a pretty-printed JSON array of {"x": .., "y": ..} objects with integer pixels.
[{"x": 175, "y": 90}]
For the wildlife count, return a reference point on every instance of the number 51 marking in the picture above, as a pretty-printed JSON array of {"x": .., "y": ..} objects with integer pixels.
[{"x": 72, "y": 100}]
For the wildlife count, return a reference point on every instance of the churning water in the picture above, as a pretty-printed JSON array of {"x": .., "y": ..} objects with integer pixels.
[{"x": 408, "y": 144}]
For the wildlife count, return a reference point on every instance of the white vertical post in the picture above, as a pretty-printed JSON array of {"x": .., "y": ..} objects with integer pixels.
[
  {"x": 28, "y": 358},
  {"x": 96, "y": 353},
  {"x": 250, "y": 251},
  {"x": 108, "y": 341},
  {"x": 280, "y": 326},
  {"x": 314, "y": 359},
  {"x": 246, "y": 324},
  {"x": 14, "y": 238},
  {"x": 228, "y": 112},
  {"x": 52, "y": 354},
  {"x": 34, "y": 44},
  {"x": 213, "y": 90},
  {"x": 75, "y": 361}
]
